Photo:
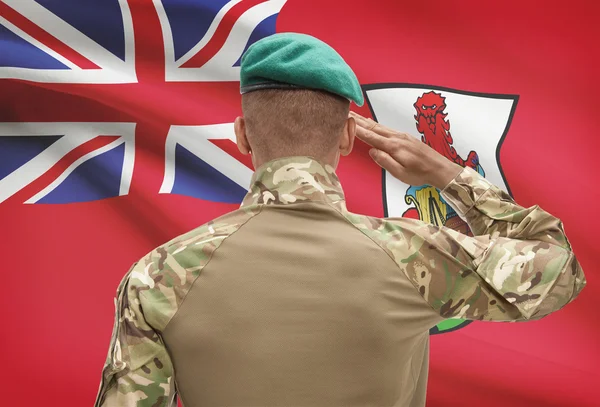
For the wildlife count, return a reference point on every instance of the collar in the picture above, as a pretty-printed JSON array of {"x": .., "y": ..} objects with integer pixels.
[{"x": 292, "y": 179}]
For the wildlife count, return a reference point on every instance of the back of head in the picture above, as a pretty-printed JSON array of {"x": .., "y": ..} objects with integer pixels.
[
  {"x": 288, "y": 122},
  {"x": 296, "y": 92}
]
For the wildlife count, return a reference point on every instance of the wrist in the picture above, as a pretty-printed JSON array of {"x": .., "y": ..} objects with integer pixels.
[{"x": 445, "y": 174}]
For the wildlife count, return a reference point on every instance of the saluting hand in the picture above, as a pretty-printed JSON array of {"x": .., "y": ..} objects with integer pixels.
[{"x": 405, "y": 157}]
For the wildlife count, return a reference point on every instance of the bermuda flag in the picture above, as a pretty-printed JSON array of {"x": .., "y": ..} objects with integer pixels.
[{"x": 116, "y": 135}]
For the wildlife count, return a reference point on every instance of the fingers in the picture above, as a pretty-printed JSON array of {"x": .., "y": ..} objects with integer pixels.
[
  {"x": 363, "y": 121},
  {"x": 372, "y": 125},
  {"x": 375, "y": 140},
  {"x": 387, "y": 162}
]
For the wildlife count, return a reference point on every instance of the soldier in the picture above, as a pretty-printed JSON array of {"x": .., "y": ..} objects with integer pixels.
[{"x": 292, "y": 300}]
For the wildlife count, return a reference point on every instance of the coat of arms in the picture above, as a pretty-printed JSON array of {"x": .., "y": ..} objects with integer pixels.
[{"x": 465, "y": 127}]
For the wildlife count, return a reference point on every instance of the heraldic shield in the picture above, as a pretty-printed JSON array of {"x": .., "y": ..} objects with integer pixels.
[{"x": 466, "y": 127}]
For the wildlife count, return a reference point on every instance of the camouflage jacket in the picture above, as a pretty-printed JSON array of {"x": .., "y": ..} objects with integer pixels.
[{"x": 518, "y": 266}]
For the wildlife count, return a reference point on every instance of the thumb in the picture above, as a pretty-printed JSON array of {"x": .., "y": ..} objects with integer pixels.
[{"x": 385, "y": 161}]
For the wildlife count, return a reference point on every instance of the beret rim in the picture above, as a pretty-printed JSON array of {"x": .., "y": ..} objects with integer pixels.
[
  {"x": 268, "y": 85},
  {"x": 281, "y": 85}
]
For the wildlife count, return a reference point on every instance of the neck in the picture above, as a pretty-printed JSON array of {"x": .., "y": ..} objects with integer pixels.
[{"x": 331, "y": 158}]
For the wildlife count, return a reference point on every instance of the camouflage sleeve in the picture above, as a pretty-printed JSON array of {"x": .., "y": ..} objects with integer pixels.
[
  {"x": 138, "y": 371},
  {"x": 479, "y": 278},
  {"x": 529, "y": 259},
  {"x": 519, "y": 266},
  {"x": 490, "y": 211}
]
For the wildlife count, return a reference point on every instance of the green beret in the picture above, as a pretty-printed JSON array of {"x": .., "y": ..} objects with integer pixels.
[{"x": 292, "y": 60}]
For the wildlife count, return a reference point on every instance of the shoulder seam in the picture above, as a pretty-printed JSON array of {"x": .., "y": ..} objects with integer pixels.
[
  {"x": 206, "y": 264},
  {"x": 388, "y": 254},
  {"x": 367, "y": 236}
]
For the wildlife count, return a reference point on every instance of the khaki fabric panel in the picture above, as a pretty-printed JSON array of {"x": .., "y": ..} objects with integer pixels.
[
  {"x": 298, "y": 308},
  {"x": 420, "y": 366}
]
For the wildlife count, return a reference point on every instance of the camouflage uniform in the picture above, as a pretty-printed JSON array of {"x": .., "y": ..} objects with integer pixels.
[{"x": 294, "y": 300}]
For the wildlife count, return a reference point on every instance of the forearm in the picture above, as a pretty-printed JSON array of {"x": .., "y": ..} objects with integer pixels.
[
  {"x": 490, "y": 211},
  {"x": 531, "y": 261},
  {"x": 533, "y": 276}
]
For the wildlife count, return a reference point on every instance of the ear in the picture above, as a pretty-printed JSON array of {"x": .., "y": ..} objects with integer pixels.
[
  {"x": 348, "y": 136},
  {"x": 239, "y": 127}
]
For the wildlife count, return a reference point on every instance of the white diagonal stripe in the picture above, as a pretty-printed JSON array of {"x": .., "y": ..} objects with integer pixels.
[
  {"x": 240, "y": 34},
  {"x": 209, "y": 34},
  {"x": 52, "y": 186},
  {"x": 35, "y": 42},
  {"x": 67, "y": 34},
  {"x": 220, "y": 67},
  {"x": 196, "y": 140},
  {"x": 73, "y": 135},
  {"x": 37, "y": 166}
]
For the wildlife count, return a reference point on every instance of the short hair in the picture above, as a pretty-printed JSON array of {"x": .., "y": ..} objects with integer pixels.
[{"x": 286, "y": 122}]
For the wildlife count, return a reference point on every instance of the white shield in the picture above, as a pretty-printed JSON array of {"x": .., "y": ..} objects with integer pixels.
[{"x": 477, "y": 122}]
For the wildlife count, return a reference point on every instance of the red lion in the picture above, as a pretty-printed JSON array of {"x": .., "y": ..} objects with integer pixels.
[{"x": 435, "y": 129}]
